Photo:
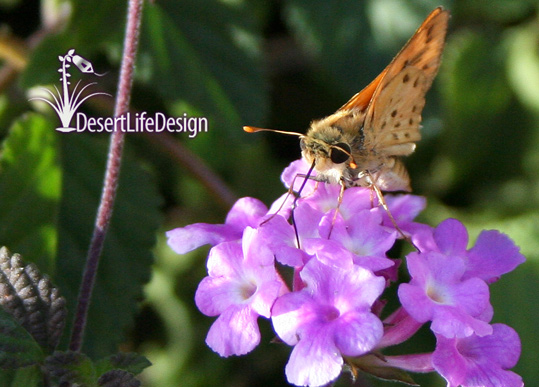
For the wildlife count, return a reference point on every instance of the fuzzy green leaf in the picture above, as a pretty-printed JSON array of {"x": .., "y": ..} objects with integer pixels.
[
  {"x": 31, "y": 299},
  {"x": 207, "y": 53},
  {"x": 17, "y": 347},
  {"x": 130, "y": 362},
  {"x": 30, "y": 182},
  {"x": 71, "y": 367}
]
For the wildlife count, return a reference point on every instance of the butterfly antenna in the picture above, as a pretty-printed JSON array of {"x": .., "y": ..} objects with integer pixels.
[{"x": 253, "y": 129}]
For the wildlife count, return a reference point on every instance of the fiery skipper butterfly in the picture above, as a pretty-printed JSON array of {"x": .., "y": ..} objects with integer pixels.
[{"x": 362, "y": 143}]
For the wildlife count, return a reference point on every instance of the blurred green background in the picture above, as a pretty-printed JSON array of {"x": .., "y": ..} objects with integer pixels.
[{"x": 276, "y": 64}]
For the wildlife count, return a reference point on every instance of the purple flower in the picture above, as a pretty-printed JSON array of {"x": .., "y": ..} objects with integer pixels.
[
  {"x": 279, "y": 236},
  {"x": 404, "y": 209},
  {"x": 290, "y": 175},
  {"x": 245, "y": 212},
  {"x": 364, "y": 236},
  {"x": 448, "y": 285},
  {"x": 494, "y": 253},
  {"x": 242, "y": 285},
  {"x": 326, "y": 199},
  {"x": 334, "y": 245},
  {"x": 479, "y": 361},
  {"x": 437, "y": 293},
  {"x": 328, "y": 319}
]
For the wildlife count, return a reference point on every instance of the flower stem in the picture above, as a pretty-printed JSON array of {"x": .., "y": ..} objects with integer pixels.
[{"x": 112, "y": 173}]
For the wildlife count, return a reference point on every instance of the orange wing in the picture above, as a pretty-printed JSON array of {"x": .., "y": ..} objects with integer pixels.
[{"x": 422, "y": 51}]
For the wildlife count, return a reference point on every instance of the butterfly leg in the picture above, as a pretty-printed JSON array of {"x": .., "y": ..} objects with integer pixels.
[
  {"x": 339, "y": 202},
  {"x": 383, "y": 203}
]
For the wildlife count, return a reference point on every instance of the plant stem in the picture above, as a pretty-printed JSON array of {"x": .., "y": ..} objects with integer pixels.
[{"x": 112, "y": 173}]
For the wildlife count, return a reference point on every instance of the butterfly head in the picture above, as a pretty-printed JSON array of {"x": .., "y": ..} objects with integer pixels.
[
  {"x": 329, "y": 150},
  {"x": 324, "y": 146}
]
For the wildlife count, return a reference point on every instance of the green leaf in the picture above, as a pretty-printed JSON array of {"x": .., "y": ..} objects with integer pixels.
[
  {"x": 350, "y": 41},
  {"x": 31, "y": 299},
  {"x": 118, "y": 378},
  {"x": 482, "y": 119},
  {"x": 130, "y": 362},
  {"x": 207, "y": 53},
  {"x": 204, "y": 59},
  {"x": 126, "y": 260},
  {"x": 337, "y": 36},
  {"x": 97, "y": 22},
  {"x": 30, "y": 181},
  {"x": 17, "y": 347},
  {"x": 28, "y": 377},
  {"x": 473, "y": 77},
  {"x": 523, "y": 64},
  {"x": 71, "y": 367},
  {"x": 495, "y": 11}
]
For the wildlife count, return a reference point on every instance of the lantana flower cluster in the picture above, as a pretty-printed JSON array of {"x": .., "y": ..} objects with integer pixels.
[{"x": 331, "y": 311}]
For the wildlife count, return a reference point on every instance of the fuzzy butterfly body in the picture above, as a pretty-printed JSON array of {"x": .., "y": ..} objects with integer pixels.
[{"x": 362, "y": 143}]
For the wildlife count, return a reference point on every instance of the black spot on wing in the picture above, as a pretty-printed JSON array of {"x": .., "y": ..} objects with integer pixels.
[
  {"x": 429, "y": 33},
  {"x": 405, "y": 64}
]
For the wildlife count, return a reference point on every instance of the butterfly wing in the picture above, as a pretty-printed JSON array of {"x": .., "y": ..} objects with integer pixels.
[
  {"x": 394, "y": 112},
  {"x": 423, "y": 50},
  {"x": 392, "y": 123},
  {"x": 393, "y": 102}
]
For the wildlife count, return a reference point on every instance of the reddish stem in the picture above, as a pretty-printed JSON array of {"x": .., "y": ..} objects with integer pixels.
[{"x": 112, "y": 173}]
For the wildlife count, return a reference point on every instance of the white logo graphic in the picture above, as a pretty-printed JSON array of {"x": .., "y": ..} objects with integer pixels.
[{"x": 66, "y": 104}]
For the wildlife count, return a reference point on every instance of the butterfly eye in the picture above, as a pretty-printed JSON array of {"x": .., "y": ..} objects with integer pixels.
[{"x": 340, "y": 153}]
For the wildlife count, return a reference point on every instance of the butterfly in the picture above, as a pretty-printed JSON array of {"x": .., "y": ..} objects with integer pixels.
[{"x": 362, "y": 143}]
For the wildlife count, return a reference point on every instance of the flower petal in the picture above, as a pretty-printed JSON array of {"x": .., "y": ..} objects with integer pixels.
[
  {"x": 235, "y": 332},
  {"x": 451, "y": 237},
  {"x": 314, "y": 362},
  {"x": 214, "y": 295},
  {"x": 416, "y": 302},
  {"x": 188, "y": 238},
  {"x": 494, "y": 254},
  {"x": 246, "y": 212},
  {"x": 452, "y": 322},
  {"x": 357, "y": 333},
  {"x": 289, "y": 314}
]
